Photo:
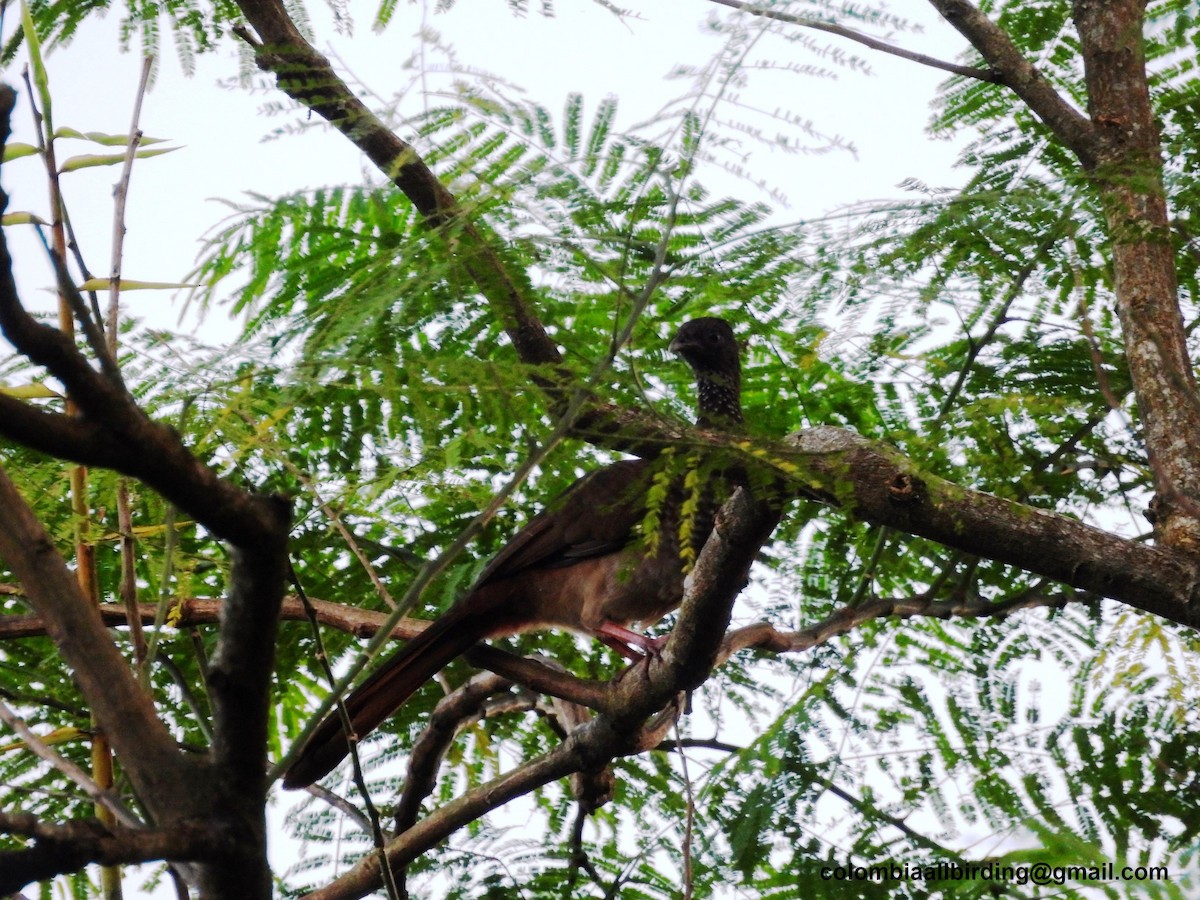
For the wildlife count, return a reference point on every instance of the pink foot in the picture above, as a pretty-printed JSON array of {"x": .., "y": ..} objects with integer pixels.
[{"x": 623, "y": 640}]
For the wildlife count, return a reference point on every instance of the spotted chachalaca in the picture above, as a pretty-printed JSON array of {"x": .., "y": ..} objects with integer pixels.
[{"x": 582, "y": 564}]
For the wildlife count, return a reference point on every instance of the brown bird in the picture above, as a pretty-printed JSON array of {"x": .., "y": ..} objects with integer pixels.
[{"x": 581, "y": 564}]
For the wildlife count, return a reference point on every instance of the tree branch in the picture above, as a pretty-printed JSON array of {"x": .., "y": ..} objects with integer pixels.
[
  {"x": 160, "y": 773},
  {"x": 55, "y": 759},
  {"x": 239, "y": 673},
  {"x": 1014, "y": 71},
  {"x": 207, "y": 611},
  {"x": 59, "y": 849},
  {"x": 529, "y": 776},
  {"x": 114, "y": 433},
  {"x": 765, "y": 636},
  {"x": 1128, "y": 174},
  {"x": 866, "y": 40},
  {"x": 465, "y": 703},
  {"x": 308, "y": 77},
  {"x": 878, "y": 484}
]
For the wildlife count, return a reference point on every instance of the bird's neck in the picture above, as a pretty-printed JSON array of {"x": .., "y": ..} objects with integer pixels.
[{"x": 718, "y": 402}]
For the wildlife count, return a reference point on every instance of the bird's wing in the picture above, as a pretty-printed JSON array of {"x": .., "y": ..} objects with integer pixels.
[{"x": 595, "y": 516}]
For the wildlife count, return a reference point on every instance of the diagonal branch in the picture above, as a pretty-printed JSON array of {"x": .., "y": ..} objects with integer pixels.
[
  {"x": 49, "y": 755},
  {"x": 308, "y": 77},
  {"x": 859, "y": 37},
  {"x": 560, "y": 762},
  {"x": 1013, "y": 70},
  {"x": 878, "y": 484},
  {"x": 449, "y": 717},
  {"x": 151, "y": 759}
]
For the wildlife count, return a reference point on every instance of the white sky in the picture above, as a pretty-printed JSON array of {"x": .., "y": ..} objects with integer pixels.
[{"x": 584, "y": 49}]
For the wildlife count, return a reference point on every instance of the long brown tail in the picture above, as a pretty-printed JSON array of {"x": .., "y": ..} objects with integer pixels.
[{"x": 373, "y": 701}]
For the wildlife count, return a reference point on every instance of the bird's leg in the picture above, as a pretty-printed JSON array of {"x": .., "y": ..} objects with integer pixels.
[{"x": 623, "y": 640}]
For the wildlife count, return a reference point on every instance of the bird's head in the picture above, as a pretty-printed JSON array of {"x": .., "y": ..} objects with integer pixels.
[{"x": 709, "y": 346}]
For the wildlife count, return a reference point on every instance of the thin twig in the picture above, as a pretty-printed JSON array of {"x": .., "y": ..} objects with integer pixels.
[
  {"x": 360, "y": 781},
  {"x": 71, "y": 302},
  {"x": 347, "y": 535},
  {"x": 689, "y": 826},
  {"x": 1001, "y": 317},
  {"x": 51, "y": 756},
  {"x": 988, "y": 75},
  {"x": 120, "y": 195}
]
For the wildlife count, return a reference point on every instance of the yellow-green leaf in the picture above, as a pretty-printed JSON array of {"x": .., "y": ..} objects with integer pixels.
[
  {"x": 21, "y": 218},
  {"x": 28, "y": 391},
  {"x": 99, "y": 137},
  {"x": 128, "y": 284},
  {"x": 57, "y": 736},
  {"x": 145, "y": 531},
  {"x": 34, "y": 46},
  {"x": 16, "y": 150},
  {"x": 89, "y": 160}
]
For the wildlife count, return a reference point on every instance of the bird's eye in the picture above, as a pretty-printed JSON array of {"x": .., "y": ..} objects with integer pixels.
[{"x": 714, "y": 337}]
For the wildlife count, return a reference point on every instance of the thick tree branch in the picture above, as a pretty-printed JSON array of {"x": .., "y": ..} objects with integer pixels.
[
  {"x": 239, "y": 681},
  {"x": 113, "y": 433},
  {"x": 878, "y": 484},
  {"x": 137, "y": 447},
  {"x": 1118, "y": 145},
  {"x": 62, "y": 848},
  {"x": 239, "y": 673},
  {"x": 1017, "y": 73}
]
